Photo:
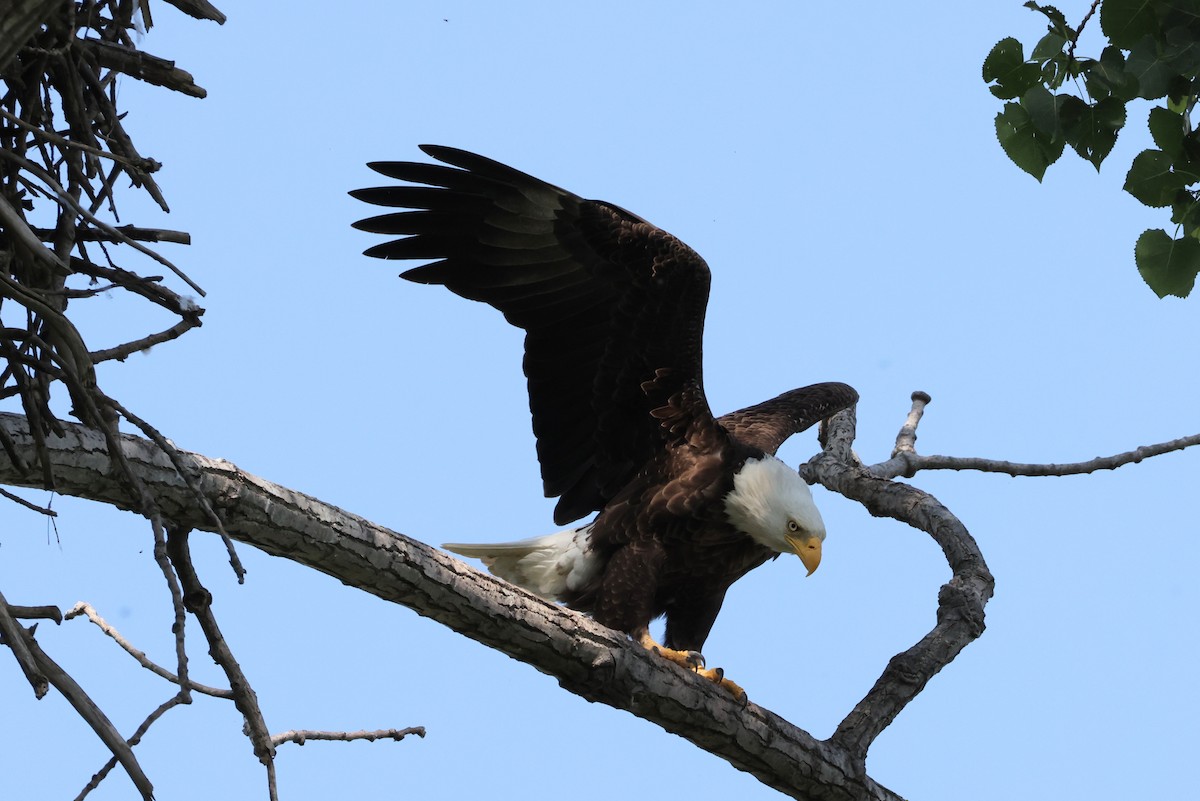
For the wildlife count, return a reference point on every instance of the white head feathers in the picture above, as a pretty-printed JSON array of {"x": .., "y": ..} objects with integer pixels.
[{"x": 771, "y": 503}]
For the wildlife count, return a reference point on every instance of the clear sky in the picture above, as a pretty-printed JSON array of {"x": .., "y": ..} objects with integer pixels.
[{"x": 837, "y": 168}]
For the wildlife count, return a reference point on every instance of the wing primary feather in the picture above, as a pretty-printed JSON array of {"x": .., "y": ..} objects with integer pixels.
[{"x": 605, "y": 298}]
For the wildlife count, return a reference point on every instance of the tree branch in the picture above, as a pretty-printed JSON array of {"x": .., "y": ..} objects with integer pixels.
[
  {"x": 87, "y": 709},
  {"x": 588, "y": 659},
  {"x": 961, "y": 601},
  {"x": 304, "y": 735},
  {"x": 139, "y": 655},
  {"x": 907, "y": 462}
]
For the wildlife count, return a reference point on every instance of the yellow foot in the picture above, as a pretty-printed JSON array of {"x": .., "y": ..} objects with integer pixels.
[{"x": 694, "y": 661}]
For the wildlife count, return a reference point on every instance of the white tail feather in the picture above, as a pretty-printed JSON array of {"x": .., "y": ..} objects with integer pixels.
[{"x": 548, "y": 565}]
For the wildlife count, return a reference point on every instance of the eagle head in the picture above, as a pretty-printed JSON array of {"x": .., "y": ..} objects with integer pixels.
[{"x": 772, "y": 504}]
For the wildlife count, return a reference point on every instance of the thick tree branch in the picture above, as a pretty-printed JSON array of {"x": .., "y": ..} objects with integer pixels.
[
  {"x": 588, "y": 659},
  {"x": 960, "y": 601}
]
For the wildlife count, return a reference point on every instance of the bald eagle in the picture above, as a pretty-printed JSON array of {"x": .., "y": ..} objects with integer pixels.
[{"x": 613, "y": 313}]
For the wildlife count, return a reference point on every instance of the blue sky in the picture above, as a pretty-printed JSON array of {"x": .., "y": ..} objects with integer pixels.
[{"x": 841, "y": 177}]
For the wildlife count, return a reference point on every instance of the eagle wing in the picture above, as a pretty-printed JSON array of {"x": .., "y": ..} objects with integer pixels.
[
  {"x": 612, "y": 308},
  {"x": 767, "y": 425}
]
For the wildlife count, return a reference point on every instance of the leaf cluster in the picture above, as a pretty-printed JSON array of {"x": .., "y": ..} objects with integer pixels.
[{"x": 1057, "y": 98}]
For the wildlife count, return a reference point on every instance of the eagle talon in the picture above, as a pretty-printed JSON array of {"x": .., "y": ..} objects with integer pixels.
[{"x": 694, "y": 661}]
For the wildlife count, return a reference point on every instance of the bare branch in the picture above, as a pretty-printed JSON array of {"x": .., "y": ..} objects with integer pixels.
[
  {"x": 960, "y": 602},
  {"x": 143, "y": 66},
  {"x": 67, "y": 201},
  {"x": 122, "y": 352},
  {"x": 162, "y": 708},
  {"x": 91, "y": 614},
  {"x": 36, "y": 613},
  {"x": 41, "y": 510},
  {"x": 14, "y": 637},
  {"x": 906, "y": 440},
  {"x": 907, "y": 462},
  {"x": 304, "y": 735},
  {"x": 200, "y": 9},
  {"x": 123, "y": 233},
  {"x": 588, "y": 659},
  {"x": 198, "y": 601},
  {"x": 92, "y": 714}
]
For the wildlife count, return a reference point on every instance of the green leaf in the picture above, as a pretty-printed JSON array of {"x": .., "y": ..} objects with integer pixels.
[
  {"x": 1050, "y": 46},
  {"x": 1168, "y": 265},
  {"x": 1058, "y": 23},
  {"x": 1153, "y": 72},
  {"x": 1042, "y": 109},
  {"x": 1182, "y": 50},
  {"x": 1006, "y": 66},
  {"x": 1124, "y": 22},
  {"x": 1152, "y": 180},
  {"x": 1167, "y": 128},
  {"x": 1185, "y": 212},
  {"x": 1028, "y": 148},
  {"x": 1091, "y": 129},
  {"x": 1108, "y": 76}
]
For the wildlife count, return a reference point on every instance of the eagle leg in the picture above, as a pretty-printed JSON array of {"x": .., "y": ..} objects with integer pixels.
[{"x": 693, "y": 661}]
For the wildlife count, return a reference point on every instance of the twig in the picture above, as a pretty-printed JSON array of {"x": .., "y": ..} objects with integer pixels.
[
  {"x": 143, "y": 66},
  {"x": 32, "y": 506},
  {"x": 74, "y": 205},
  {"x": 198, "y": 601},
  {"x": 907, "y": 462},
  {"x": 91, "y": 614},
  {"x": 122, "y": 352},
  {"x": 906, "y": 440},
  {"x": 200, "y": 9},
  {"x": 126, "y": 232},
  {"x": 100, "y": 775},
  {"x": 303, "y": 735},
  {"x": 36, "y": 613},
  {"x": 172, "y": 453},
  {"x": 146, "y": 165},
  {"x": 1079, "y": 31}
]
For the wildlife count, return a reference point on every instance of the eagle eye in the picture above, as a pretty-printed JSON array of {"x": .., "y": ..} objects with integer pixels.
[{"x": 793, "y": 526}]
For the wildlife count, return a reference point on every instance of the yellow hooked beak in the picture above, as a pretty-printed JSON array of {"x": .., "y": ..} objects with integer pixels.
[{"x": 809, "y": 551}]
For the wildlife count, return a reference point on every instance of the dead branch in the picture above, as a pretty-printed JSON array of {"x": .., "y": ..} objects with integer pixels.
[
  {"x": 42, "y": 510},
  {"x": 198, "y": 601},
  {"x": 86, "y": 610},
  {"x": 162, "y": 709},
  {"x": 907, "y": 462},
  {"x": 961, "y": 601},
  {"x": 302, "y": 736},
  {"x": 14, "y": 637},
  {"x": 143, "y": 66},
  {"x": 590, "y": 660},
  {"x": 91, "y": 713}
]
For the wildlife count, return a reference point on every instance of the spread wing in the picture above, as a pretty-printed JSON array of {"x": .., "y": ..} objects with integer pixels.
[
  {"x": 768, "y": 425},
  {"x": 613, "y": 309}
]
